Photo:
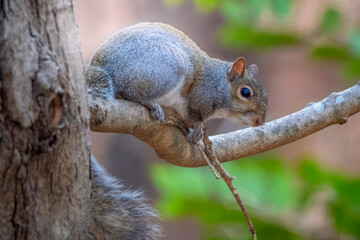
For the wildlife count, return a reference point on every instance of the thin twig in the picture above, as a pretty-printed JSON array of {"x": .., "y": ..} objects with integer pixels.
[
  {"x": 213, "y": 162},
  {"x": 226, "y": 177},
  {"x": 207, "y": 161},
  {"x": 184, "y": 130}
]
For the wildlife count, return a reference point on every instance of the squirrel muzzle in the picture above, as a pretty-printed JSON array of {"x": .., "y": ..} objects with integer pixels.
[{"x": 257, "y": 120}]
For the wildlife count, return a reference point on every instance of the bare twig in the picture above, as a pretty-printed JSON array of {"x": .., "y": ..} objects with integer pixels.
[
  {"x": 227, "y": 178},
  {"x": 207, "y": 161}
]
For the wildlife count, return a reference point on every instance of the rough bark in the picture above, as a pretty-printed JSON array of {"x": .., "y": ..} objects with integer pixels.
[
  {"x": 170, "y": 144},
  {"x": 44, "y": 149}
]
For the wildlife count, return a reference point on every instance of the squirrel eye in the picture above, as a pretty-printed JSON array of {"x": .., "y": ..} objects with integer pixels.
[{"x": 245, "y": 92}]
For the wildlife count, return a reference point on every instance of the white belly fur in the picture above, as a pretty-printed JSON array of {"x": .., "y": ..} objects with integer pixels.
[{"x": 174, "y": 100}]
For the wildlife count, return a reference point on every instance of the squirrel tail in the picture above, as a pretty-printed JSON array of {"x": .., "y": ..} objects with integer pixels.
[{"x": 119, "y": 213}]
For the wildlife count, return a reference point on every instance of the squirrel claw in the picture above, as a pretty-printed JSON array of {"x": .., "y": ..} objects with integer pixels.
[
  {"x": 195, "y": 136},
  {"x": 157, "y": 115},
  {"x": 155, "y": 112}
]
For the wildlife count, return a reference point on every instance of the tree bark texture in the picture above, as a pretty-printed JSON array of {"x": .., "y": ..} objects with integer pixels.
[{"x": 44, "y": 142}]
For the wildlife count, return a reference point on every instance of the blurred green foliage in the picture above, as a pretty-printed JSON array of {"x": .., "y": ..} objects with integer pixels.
[
  {"x": 240, "y": 36},
  {"x": 242, "y": 29},
  {"x": 330, "y": 21},
  {"x": 279, "y": 198}
]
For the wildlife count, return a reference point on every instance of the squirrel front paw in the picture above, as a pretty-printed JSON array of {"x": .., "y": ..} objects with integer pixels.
[
  {"x": 158, "y": 115},
  {"x": 156, "y": 111}
]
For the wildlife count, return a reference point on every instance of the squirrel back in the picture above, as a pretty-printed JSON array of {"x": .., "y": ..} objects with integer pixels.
[{"x": 145, "y": 62}]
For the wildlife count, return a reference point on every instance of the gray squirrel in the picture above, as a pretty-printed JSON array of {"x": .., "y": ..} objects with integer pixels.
[{"x": 156, "y": 65}]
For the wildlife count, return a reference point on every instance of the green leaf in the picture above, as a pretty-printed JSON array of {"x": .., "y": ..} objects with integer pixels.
[
  {"x": 354, "y": 42},
  {"x": 192, "y": 180},
  {"x": 330, "y": 52},
  {"x": 351, "y": 69},
  {"x": 241, "y": 12},
  {"x": 345, "y": 205},
  {"x": 346, "y": 215},
  {"x": 194, "y": 184},
  {"x": 206, "y": 6},
  {"x": 274, "y": 230},
  {"x": 240, "y": 37},
  {"x": 330, "y": 20},
  {"x": 311, "y": 172},
  {"x": 233, "y": 11},
  {"x": 173, "y": 2},
  {"x": 281, "y": 7},
  {"x": 256, "y": 181},
  {"x": 257, "y": 6}
]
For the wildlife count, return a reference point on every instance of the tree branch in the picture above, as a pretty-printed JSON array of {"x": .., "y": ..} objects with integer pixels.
[{"x": 170, "y": 144}]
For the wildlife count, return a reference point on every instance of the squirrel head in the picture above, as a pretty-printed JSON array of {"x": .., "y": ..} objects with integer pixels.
[{"x": 248, "y": 98}]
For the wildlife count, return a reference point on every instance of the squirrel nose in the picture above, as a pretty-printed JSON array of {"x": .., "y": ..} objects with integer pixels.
[{"x": 258, "y": 121}]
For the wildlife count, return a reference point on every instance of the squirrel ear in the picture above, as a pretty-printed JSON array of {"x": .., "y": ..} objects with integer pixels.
[
  {"x": 253, "y": 69},
  {"x": 238, "y": 67}
]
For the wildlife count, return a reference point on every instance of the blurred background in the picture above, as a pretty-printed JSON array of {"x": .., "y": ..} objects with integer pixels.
[{"x": 305, "y": 50}]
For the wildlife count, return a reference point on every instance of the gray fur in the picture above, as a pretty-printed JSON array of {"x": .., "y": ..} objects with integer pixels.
[
  {"x": 119, "y": 213},
  {"x": 253, "y": 69},
  {"x": 143, "y": 63},
  {"x": 147, "y": 62}
]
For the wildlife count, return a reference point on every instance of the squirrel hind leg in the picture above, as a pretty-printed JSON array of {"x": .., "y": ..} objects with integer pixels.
[{"x": 156, "y": 111}]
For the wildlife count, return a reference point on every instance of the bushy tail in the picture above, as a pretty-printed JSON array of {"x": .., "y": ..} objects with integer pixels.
[{"x": 119, "y": 213}]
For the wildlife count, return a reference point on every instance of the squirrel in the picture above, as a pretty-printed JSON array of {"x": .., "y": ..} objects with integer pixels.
[{"x": 157, "y": 65}]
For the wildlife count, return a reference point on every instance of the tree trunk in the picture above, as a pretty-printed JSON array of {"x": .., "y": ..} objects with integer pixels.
[{"x": 44, "y": 143}]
